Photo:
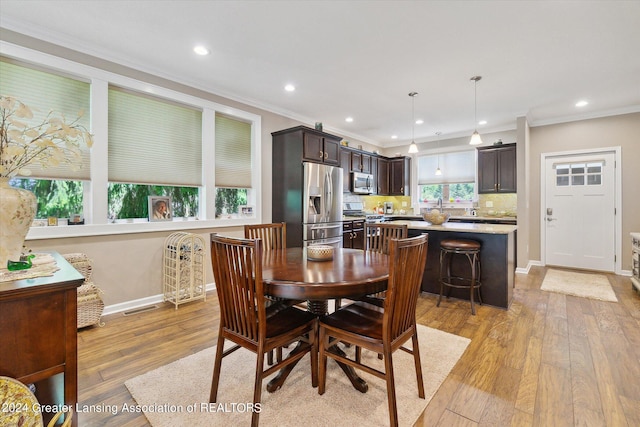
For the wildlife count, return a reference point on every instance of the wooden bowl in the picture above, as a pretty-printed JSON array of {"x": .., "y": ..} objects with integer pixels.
[{"x": 319, "y": 253}]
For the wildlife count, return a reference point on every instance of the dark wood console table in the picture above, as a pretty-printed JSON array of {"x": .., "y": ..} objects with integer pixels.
[{"x": 38, "y": 333}]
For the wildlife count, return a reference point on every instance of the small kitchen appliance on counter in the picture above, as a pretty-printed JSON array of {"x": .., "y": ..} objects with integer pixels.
[{"x": 388, "y": 208}]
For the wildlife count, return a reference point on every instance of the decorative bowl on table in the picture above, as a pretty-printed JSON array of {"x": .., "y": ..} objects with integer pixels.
[
  {"x": 319, "y": 253},
  {"x": 435, "y": 217}
]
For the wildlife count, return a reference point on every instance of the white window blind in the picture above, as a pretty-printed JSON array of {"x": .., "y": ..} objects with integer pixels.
[
  {"x": 457, "y": 167},
  {"x": 43, "y": 92},
  {"x": 153, "y": 141},
  {"x": 233, "y": 153}
]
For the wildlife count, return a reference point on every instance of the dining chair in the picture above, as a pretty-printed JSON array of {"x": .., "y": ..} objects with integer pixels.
[
  {"x": 381, "y": 329},
  {"x": 247, "y": 321},
  {"x": 377, "y": 237},
  {"x": 273, "y": 236}
]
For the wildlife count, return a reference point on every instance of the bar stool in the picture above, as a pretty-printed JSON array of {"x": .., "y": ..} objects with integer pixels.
[{"x": 470, "y": 249}]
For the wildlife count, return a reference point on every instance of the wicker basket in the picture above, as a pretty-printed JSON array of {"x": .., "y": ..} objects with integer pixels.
[{"x": 90, "y": 304}]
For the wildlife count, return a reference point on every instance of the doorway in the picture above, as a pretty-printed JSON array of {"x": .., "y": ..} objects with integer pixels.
[{"x": 580, "y": 200}]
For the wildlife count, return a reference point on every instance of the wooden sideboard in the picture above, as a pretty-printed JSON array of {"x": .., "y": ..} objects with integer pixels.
[{"x": 38, "y": 334}]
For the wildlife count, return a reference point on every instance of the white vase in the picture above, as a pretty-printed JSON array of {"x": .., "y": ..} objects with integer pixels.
[{"x": 17, "y": 210}]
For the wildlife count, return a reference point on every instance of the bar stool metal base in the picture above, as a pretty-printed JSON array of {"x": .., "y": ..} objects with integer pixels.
[{"x": 471, "y": 250}]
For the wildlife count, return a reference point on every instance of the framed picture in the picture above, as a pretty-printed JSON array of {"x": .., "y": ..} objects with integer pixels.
[
  {"x": 246, "y": 211},
  {"x": 160, "y": 208}
]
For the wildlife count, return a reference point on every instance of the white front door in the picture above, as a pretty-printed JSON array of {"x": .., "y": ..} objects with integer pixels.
[{"x": 579, "y": 211}]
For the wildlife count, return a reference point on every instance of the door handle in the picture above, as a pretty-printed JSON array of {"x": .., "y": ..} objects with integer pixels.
[{"x": 551, "y": 219}]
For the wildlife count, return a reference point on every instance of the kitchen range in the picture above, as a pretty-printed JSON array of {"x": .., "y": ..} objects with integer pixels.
[{"x": 353, "y": 210}]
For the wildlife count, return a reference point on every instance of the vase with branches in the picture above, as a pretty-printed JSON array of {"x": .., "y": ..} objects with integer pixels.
[{"x": 49, "y": 142}]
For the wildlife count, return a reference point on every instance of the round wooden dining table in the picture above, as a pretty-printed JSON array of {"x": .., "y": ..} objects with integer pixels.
[{"x": 290, "y": 274}]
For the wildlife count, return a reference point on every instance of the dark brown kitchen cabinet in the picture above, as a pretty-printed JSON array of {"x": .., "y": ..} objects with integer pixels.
[
  {"x": 360, "y": 162},
  {"x": 321, "y": 148},
  {"x": 399, "y": 179},
  {"x": 345, "y": 164},
  {"x": 382, "y": 178},
  {"x": 497, "y": 169},
  {"x": 353, "y": 234}
]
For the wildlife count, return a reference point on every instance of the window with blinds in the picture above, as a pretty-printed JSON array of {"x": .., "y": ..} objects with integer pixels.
[
  {"x": 457, "y": 167},
  {"x": 233, "y": 153},
  {"x": 43, "y": 92},
  {"x": 153, "y": 141}
]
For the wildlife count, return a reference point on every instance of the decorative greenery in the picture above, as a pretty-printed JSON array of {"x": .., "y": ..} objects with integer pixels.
[{"x": 49, "y": 143}]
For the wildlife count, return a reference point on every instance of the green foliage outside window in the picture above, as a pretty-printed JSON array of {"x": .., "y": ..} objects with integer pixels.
[
  {"x": 55, "y": 197},
  {"x": 463, "y": 192},
  {"x": 131, "y": 200},
  {"x": 228, "y": 200}
]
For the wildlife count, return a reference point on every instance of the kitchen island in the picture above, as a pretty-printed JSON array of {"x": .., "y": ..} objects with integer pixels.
[{"x": 497, "y": 256}]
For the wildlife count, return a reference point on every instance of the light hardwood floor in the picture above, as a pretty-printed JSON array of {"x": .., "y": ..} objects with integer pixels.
[{"x": 550, "y": 360}]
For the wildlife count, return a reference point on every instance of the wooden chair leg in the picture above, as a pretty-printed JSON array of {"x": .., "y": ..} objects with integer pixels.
[
  {"x": 322, "y": 362},
  {"x": 391, "y": 390},
  {"x": 313, "y": 339},
  {"x": 213, "y": 395},
  {"x": 257, "y": 387},
  {"x": 416, "y": 360}
]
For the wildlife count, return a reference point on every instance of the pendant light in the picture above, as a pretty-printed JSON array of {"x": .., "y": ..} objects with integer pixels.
[
  {"x": 413, "y": 148},
  {"x": 438, "y": 171},
  {"x": 475, "y": 138}
]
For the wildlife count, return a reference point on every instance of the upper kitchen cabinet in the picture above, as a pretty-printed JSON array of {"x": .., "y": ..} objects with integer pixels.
[
  {"x": 382, "y": 176},
  {"x": 399, "y": 176},
  {"x": 497, "y": 169},
  {"x": 345, "y": 164},
  {"x": 360, "y": 162},
  {"x": 320, "y": 147}
]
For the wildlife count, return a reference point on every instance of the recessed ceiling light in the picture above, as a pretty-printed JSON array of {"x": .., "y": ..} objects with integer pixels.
[
  {"x": 394, "y": 136},
  {"x": 348, "y": 119},
  {"x": 201, "y": 50},
  {"x": 289, "y": 88},
  {"x": 482, "y": 122},
  {"x": 419, "y": 121},
  {"x": 581, "y": 103}
]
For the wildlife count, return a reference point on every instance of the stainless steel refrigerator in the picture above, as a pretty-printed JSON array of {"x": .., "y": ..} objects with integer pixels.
[{"x": 322, "y": 205}]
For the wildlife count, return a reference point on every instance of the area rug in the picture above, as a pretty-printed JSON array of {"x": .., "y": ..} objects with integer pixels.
[
  {"x": 587, "y": 285},
  {"x": 177, "y": 394}
]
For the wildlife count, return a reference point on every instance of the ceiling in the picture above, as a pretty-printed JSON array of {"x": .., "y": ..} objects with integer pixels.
[{"x": 362, "y": 58}]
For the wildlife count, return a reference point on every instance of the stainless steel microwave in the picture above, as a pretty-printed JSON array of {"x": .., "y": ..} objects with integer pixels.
[{"x": 361, "y": 183}]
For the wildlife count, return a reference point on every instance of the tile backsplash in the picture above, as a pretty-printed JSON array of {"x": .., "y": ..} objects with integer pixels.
[{"x": 503, "y": 204}]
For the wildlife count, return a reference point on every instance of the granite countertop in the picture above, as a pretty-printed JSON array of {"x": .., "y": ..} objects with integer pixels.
[
  {"x": 464, "y": 227},
  {"x": 459, "y": 217}
]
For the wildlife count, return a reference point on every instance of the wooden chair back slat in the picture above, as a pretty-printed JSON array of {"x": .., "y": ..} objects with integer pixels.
[
  {"x": 238, "y": 276},
  {"x": 273, "y": 236},
  {"x": 379, "y": 234},
  {"x": 407, "y": 265}
]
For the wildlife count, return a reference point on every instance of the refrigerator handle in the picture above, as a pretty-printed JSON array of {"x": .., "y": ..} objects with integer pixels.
[{"x": 328, "y": 195}]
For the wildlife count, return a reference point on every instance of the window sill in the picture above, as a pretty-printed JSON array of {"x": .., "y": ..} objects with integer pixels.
[{"x": 69, "y": 231}]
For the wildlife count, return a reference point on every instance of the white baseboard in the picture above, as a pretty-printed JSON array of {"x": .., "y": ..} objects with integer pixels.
[
  {"x": 530, "y": 264},
  {"x": 142, "y": 302}
]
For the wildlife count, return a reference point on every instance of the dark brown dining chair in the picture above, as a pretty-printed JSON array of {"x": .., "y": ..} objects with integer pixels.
[
  {"x": 382, "y": 330},
  {"x": 377, "y": 237},
  {"x": 246, "y": 320},
  {"x": 274, "y": 237}
]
